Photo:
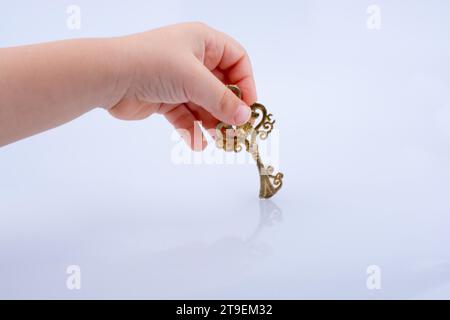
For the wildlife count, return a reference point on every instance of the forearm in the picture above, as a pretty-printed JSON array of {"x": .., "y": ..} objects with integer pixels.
[{"x": 45, "y": 85}]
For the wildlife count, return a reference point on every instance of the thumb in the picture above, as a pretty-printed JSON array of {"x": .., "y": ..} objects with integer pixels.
[{"x": 205, "y": 90}]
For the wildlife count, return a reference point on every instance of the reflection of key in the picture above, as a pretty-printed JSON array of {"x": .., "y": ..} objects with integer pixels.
[{"x": 231, "y": 138}]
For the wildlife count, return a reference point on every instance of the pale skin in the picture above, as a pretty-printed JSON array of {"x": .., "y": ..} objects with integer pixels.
[{"x": 178, "y": 71}]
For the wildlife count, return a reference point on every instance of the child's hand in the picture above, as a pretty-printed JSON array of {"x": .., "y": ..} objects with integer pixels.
[{"x": 180, "y": 72}]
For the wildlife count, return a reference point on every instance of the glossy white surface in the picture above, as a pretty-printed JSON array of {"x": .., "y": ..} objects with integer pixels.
[{"x": 364, "y": 120}]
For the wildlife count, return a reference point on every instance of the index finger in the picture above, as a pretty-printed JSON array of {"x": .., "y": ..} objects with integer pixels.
[
  {"x": 238, "y": 69},
  {"x": 231, "y": 58}
]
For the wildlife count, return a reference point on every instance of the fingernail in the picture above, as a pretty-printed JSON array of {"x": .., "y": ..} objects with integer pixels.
[{"x": 242, "y": 114}]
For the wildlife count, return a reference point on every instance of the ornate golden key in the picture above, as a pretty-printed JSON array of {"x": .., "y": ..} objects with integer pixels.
[{"x": 232, "y": 138}]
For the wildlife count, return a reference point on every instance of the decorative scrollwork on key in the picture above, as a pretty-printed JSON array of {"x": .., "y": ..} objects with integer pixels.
[{"x": 236, "y": 138}]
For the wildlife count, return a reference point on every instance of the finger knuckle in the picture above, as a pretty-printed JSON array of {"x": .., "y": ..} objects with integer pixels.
[
  {"x": 225, "y": 103},
  {"x": 198, "y": 25}
]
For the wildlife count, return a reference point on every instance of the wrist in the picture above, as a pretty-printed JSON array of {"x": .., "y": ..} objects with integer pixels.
[{"x": 118, "y": 70}]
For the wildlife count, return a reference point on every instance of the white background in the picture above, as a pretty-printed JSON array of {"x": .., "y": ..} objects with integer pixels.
[{"x": 364, "y": 122}]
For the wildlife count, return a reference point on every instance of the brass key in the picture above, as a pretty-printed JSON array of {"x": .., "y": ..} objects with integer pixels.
[{"x": 232, "y": 138}]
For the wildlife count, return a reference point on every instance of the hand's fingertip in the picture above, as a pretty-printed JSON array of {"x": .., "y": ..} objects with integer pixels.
[
  {"x": 198, "y": 146},
  {"x": 242, "y": 114},
  {"x": 249, "y": 94}
]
